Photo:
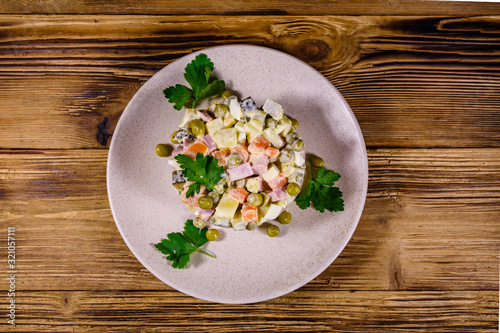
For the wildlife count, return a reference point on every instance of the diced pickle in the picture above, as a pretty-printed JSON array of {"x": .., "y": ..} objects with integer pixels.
[
  {"x": 248, "y": 104},
  {"x": 286, "y": 155},
  {"x": 178, "y": 177}
]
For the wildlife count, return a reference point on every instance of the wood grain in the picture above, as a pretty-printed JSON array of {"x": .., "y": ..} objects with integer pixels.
[
  {"x": 430, "y": 223},
  {"x": 249, "y": 8},
  {"x": 299, "y": 311},
  {"x": 411, "y": 81}
]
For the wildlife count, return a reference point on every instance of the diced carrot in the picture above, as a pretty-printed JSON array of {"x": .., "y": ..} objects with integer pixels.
[
  {"x": 249, "y": 213},
  {"x": 278, "y": 182},
  {"x": 272, "y": 152},
  {"x": 221, "y": 156},
  {"x": 239, "y": 194},
  {"x": 197, "y": 147},
  {"x": 242, "y": 150},
  {"x": 259, "y": 145},
  {"x": 193, "y": 201}
]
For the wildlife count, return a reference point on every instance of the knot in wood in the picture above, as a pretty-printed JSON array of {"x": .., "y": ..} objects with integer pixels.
[{"x": 311, "y": 50}]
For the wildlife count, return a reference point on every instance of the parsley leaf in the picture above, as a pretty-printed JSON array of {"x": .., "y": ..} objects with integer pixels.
[
  {"x": 197, "y": 74},
  {"x": 179, "y": 246},
  {"x": 204, "y": 170},
  {"x": 321, "y": 193}
]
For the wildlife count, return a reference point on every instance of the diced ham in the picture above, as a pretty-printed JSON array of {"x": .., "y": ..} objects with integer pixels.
[
  {"x": 277, "y": 194},
  {"x": 259, "y": 145},
  {"x": 242, "y": 150},
  {"x": 249, "y": 213},
  {"x": 197, "y": 147},
  {"x": 221, "y": 156},
  {"x": 187, "y": 142},
  {"x": 209, "y": 142},
  {"x": 272, "y": 152},
  {"x": 204, "y": 214},
  {"x": 239, "y": 194},
  {"x": 239, "y": 172},
  {"x": 178, "y": 150},
  {"x": 259, "y": 163},
  {"x": 193, "y": 201},
  {"x": 277, "y": 182},
  {"x": 204, "y": 116}
]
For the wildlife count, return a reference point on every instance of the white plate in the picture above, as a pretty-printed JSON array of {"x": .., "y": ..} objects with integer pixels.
[{"x": 250, "y": 266}]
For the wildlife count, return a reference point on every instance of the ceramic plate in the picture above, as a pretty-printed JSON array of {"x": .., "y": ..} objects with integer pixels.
[{"x": 250, "y": 266}]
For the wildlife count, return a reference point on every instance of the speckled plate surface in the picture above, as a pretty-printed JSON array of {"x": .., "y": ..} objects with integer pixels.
[{"x": 250, "y": 266}]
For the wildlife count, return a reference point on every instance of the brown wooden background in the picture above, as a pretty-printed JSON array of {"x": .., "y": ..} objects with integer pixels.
[{"x": 422, "y": 77}]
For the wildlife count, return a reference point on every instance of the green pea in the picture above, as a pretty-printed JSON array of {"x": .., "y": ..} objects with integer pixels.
[
  {"x": 205, "y": 202},
  {"x": 226, "y": 94},
  {"x": 212, "y": 234},
  {"x": 173, "y": 139},
  {"x": 295, "y": 123},
  {"x": 254, "y": 199},
  {"x": 234, "y": 159},
  {"x": 197, "y": 127},
  {"x": 318, "y": 162},
  {"x": 220, "y": 110},
  {"x": 293, "y": 189},
  {"x": 298, "y": 145},
  {"x": 285, "y": 218},
  {"x": 265, "y": 199},
  {"x": 162, "y": 150},
  {"x": 199, "y": 223},
  {"x": 215, "y": 196},
  {"x": 272, "y": 230},
  {"x": 271, "y": 123}
]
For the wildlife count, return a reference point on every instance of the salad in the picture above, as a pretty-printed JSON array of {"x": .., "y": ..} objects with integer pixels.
[
  {"x": 262, "y": 158},
  {"x": 237, "y": 165}
]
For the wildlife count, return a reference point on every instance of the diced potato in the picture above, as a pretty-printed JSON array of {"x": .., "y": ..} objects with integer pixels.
[
  {"x": 269, "y": 212},
  {"x": 298, "y": 159},
  {"x": 240, "y": 126},
  {"x": 273, "y": 137},
  {"x": 285, "y": 124},
  {"x": 214, "y": 125},
  {"x": 274, "y": 109},
  {"x": 238, "y": 224},
  {"x": 288, "y": 168},
  {"x": 251, "y": 131},
  {"x": 221, "y": 222},
  {"x": 257, "y": 115},
  {"x": 253, "y": 185},
  {"x": 226, "y": 138},
  {"x": 235, "y": 109},
  {"x": 242, "y": 137},
  {"x": 189, "y": 115},
  {"x": 257, "y": 124},
  {"x": 229, "y": 121},
  {"x": 271, "y": 173},
  {"x": 227, "y": 207}
]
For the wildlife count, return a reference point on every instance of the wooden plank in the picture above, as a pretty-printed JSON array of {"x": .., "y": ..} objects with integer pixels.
[
  {"x": 419, "y": 81},
  {"x": 430, "y": 223},
  {"x": 299, "y": 311},
  {"x": 276, "y": 7}
]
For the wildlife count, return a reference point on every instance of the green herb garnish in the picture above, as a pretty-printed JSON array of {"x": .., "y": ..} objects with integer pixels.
[
  {"x": 320, "y": 192},
  {"x": 198, "y": 76},
  {"x": 204, "y": 170},
  {"x": 179, "y": 246}
]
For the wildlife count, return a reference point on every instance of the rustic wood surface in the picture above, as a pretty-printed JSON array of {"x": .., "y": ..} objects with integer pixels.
[{"x": 423, "y": 79}]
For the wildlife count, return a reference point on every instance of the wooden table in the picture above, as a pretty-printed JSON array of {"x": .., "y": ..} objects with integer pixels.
[{"x": 423, "y": 79}]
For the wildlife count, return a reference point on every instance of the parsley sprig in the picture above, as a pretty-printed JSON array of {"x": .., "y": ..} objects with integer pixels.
[
  {"x": 204, "y": 170},
  {"x": 197, "y": 74},
  {"x": 179, "y": 246},
  {"x": 321, "y": 193}
]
